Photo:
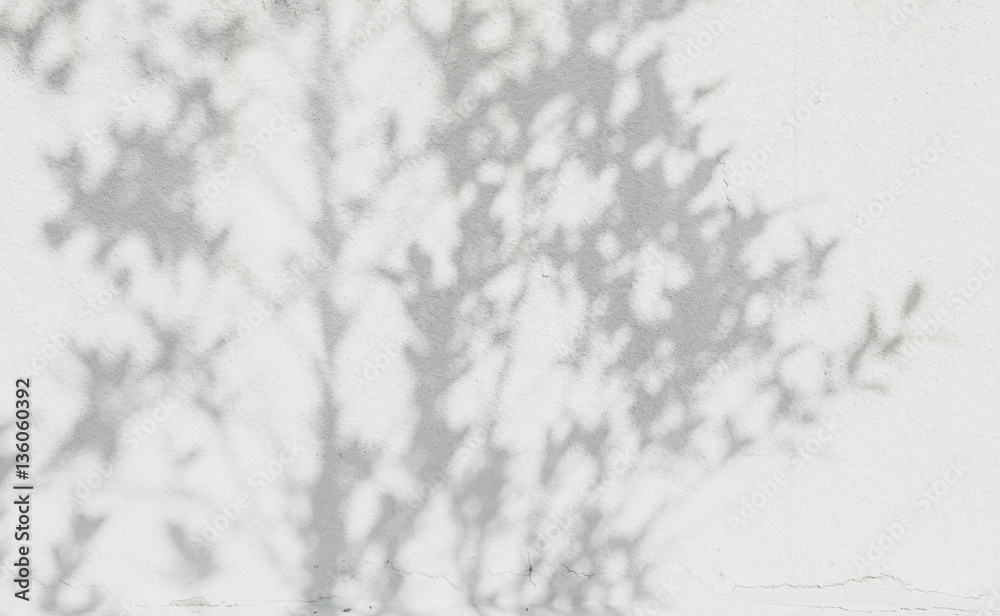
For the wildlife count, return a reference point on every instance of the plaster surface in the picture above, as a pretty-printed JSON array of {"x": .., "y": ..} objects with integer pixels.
[{"x": 464, "y": 307}]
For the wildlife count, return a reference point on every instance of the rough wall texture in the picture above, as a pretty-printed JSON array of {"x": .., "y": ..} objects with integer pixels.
[{"x": 462, "y": 307}]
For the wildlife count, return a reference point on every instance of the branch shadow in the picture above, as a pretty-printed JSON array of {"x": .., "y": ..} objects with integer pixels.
[{"x": 567, "y": 328}]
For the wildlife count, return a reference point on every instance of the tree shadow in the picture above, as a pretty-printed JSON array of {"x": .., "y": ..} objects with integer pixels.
[{"x": 568, "y": 321}]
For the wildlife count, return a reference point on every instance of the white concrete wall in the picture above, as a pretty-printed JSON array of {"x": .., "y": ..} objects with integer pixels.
[{"x": 475, "y": 307}]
